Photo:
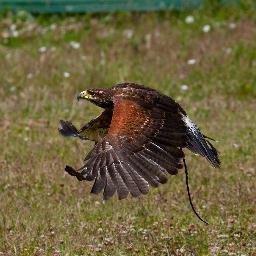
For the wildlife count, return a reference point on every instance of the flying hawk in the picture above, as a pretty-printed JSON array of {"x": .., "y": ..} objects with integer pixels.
[{"x": 139, "y": 138}]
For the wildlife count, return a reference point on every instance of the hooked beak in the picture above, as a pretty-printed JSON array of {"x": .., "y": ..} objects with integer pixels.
[{"x": 84, "y": 95}]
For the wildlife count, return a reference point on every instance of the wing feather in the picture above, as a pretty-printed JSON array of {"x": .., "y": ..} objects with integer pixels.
[
  {"x": 100, "y": 181},
  {"x": 141, "y": 183},
  {"x": 122, "y": 190},
  {"x": 110, "y": 187},
  {"x": 137, "y": 164},
  {"x": 123, "y": 170}
]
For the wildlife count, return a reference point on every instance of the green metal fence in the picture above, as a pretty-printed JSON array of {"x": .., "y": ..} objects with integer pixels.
[{"x": 81, "y": 6}]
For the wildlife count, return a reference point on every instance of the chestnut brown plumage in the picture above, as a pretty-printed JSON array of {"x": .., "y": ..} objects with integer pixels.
[{"x": 139, "y": 139}]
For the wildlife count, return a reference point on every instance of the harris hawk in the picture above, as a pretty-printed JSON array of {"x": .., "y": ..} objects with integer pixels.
[{"x": 139, "y": 138}]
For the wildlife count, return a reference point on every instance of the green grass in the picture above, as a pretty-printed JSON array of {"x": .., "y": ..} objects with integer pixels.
[{"x": 43, "y": 211}]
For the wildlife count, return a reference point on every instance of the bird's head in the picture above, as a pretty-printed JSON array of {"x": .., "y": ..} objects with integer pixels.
[{"x": 100, "y": 97}]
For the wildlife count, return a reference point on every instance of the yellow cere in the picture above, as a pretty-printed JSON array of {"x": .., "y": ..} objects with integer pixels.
[{"x": 86, "y": 95}]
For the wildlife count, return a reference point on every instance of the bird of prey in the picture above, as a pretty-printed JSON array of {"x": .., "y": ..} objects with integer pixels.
[{"x": 139, "y": 138}]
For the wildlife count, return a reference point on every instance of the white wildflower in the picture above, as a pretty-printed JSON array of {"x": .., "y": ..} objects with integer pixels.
[
  {"x": 74, "y": 45},
  {"x": 42, "y": 49},
  {"x": 66, "y": 74},
  {"x": 8, "y": 56},
  {"x": 191, "y": 61},
  {"x": 13, "y": 27},
  {"x": 53, "y": 26},
  {"x": 13, "y": 89},
  {"x": 228, "y": 50},
  {"x": 15, "y": 33},
  {"x": 206, "y": 28},
  {"x": 189, "y": 19},
  {"x": 96, "y": 202},
  {"x": 232, "y": 25},
  {"x": 29, "y": 76},
  {"x": 184, "y": 87},
  {"x": 181, "y": 250},
  {"x": 236, "y": 146}
]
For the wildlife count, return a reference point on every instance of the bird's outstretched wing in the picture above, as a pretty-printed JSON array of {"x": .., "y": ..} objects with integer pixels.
[{"x": 144, "y": 142}]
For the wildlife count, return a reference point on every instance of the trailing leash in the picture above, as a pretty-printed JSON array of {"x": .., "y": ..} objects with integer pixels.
[{"x": 189, "y": 196}]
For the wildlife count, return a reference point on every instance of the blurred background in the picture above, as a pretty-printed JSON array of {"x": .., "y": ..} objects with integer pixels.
[
  {"x": 96, "y": 6},
  {"x": 201, "y": 53}
]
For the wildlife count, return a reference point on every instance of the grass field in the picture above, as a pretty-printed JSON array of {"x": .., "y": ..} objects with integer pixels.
[{"x": 209, "y": 70}]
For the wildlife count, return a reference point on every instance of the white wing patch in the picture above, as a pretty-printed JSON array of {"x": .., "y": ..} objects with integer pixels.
[{"x": 189, "y": 123}]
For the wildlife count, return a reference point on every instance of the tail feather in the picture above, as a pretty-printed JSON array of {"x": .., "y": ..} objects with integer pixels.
[{"x": 198, "y": 144}]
